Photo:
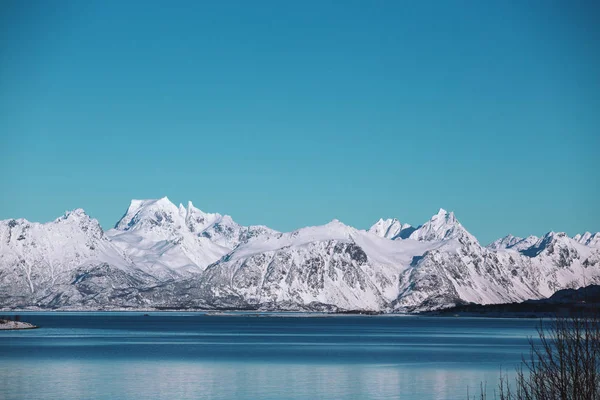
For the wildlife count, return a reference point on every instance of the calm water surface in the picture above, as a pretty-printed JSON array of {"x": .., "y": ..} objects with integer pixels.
[{"x": 197, "y": 356}]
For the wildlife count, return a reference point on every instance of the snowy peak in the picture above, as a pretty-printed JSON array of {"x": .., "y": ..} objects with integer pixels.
[
  {"x": 388, "y": 228},
  {"x": 76, "y": 214},
  {"x": 34, "y": 255},
  {"x": 221, "y": 229},
  {"x": 166, "y": 240},
  {"x": 82, "y": 221},
  {"x": 525, "y": 243},
  {"x": 504, "y": 243},
  {"x": 163, "y": 216},
  {"x": 73, "y": 225},
  {"x": 550, "y": 243},
  {"x": 391, "y": 228},
  {"x": 513, "y": 243},
  {"x": 147, "y": 213},
  {"x": 442, "y": 226},
  {"x": 445, "y": 214},
  {"x": 166, "y": 255},
  {"x": 588, "y": 239},
  {"x": 334, "y": 230},
  {"x": 196, "y": 220}
]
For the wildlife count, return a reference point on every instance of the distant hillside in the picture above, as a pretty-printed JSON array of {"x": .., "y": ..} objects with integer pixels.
[{"x": 566, "y": 302}]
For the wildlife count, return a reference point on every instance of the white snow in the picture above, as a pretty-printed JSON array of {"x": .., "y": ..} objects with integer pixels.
[
  {"x": 170, "y": 241},
  {"x": 588, "y": 239},
  {"x": 513, "y": 243},
  {"x": 209, "y": 257},
  {"x": 442, "y": 226}
]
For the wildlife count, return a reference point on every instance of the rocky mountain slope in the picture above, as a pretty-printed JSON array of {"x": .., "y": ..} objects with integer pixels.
[
  {"x": 35, "y": 258},
  {"x": 160, "y": 255},
  {"x": 580, "y": 302}
]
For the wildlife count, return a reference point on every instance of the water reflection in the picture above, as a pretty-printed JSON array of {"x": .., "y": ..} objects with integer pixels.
[
  {"x": 122, "y": 356},
  {"x": 78, "y": 379}
]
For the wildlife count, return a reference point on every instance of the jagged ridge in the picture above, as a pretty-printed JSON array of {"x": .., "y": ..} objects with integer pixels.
[{"x": 163, "y": 255}]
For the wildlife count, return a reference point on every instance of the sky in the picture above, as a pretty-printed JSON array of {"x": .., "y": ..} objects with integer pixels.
[{"x": 291, "y": 114}]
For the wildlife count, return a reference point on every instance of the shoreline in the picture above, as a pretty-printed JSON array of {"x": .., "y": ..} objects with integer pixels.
[{"x": 289, "y": 314}]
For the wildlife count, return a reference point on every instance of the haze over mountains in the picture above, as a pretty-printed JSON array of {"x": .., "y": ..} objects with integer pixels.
[{"x": 160, "y": 255}]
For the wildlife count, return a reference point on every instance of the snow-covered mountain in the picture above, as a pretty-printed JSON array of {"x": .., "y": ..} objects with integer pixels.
[
  {"x": 169, "y": 241},
  {"x": 391, "y": 228},
  {"x": 36, "y": 257},
  {"x": 333, "y": 265},
  {"x": 163, "y": 255},
  {"x": 513, "y": 242},
  {"x": 442, "y": 226},
  {"x": 457, "y": 273},
  {"x": 588, "y": 239}
]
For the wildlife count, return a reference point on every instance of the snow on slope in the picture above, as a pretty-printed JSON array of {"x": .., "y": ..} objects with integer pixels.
[
  {"x": 332, "y": 264},
  {"x": 441, "y": 264},
  {"x": 511, "y": 269},
  {"x": 442, "y": 226},
  {"x": 35, "y": 256},
  {"x": 588, "y": 239},
  {"x": 169, "y": 241},
  {"x": 162, "y": 255},
  {"x": 455, "y": 274},
  {"x": 513, "y": 242},
  {"x": 391, "y": 229},
  {"x": 505, "y": 242}
]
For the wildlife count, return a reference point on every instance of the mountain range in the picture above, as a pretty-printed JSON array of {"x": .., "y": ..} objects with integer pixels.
[{"x": 163, "y": 256}]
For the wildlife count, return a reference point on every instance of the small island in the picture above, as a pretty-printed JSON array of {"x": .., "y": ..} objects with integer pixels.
[{"x": 7, "y": 324}]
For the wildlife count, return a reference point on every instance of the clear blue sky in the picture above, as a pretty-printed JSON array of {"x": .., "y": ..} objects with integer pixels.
[{"x": 293, "y": 113}]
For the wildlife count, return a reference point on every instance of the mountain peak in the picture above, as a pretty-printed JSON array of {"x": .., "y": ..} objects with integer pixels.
[
  {"x": 387, "y": 228},
  {"x": 335, "y": 225},
  {"x": 81, "y": 222},
  {"x": 137, "y": 204},
  {"x": 168, "y": 255},
  {"x": 505, "y": 242},
  {"x": 513, "y": 242},
  {"x": 77, "y": 214},
  {"x": 554, "y": 235},
  {"x": 588, "y": 239},
  {"x": 548, "y": 243},
  {"x": 154, "y": 211},
  {"x": 443, "y": 214},
  {"x": 442, "y": 226}
]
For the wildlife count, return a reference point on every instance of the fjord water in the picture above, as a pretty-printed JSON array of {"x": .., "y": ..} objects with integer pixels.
[{"x": 126, "y": 355}]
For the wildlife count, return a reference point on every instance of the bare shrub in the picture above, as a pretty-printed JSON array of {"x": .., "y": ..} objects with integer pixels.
[{"x": 563, "y": 364}]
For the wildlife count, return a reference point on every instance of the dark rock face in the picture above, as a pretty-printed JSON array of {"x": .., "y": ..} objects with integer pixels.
[
  {"x": 97, "y": 286},
  {"x": 292, "y": 276},
  {"x": 356, "y": 253}
]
